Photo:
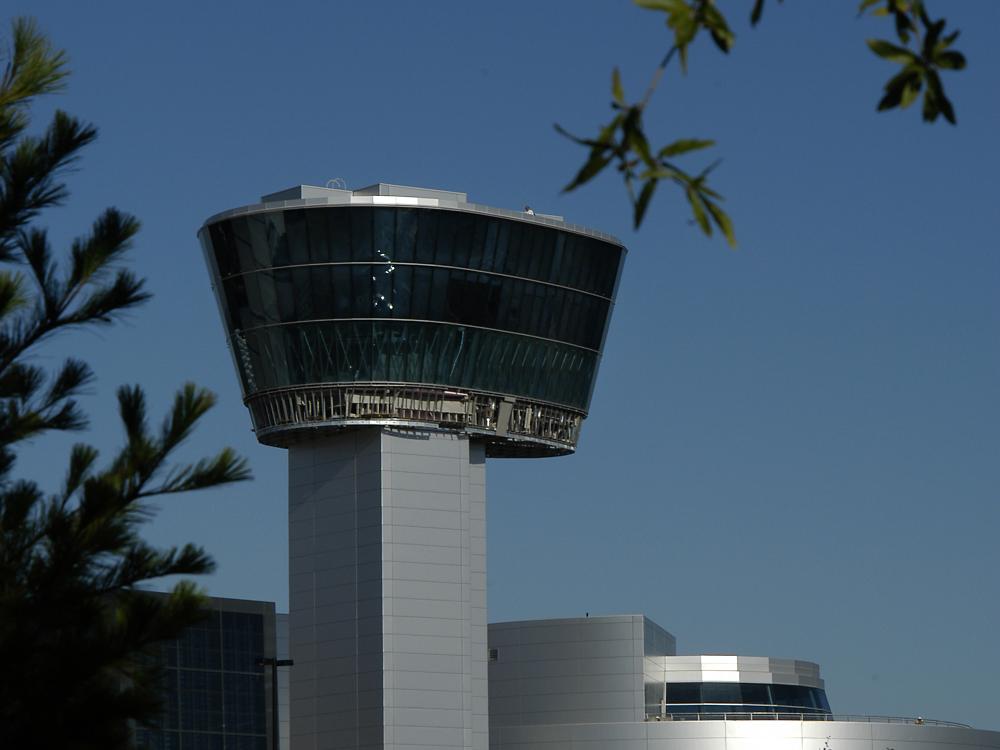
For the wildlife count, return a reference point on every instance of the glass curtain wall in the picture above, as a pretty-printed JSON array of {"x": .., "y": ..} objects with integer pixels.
[
  {"x": 213, "y": 690},
  {"x": 451, "y": 298},
  {"x": 733, "y": 697}
]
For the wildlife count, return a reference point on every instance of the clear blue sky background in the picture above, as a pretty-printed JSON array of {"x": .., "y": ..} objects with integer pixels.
[{"x": 793, "y": 449}]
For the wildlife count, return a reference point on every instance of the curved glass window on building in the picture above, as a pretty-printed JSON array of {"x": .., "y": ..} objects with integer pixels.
[
  {"x": 446, "y": 298},
  {"x": 734, "y": 697},
  {"x": 409, "y": 235},
  {"x": 714, "y": 698},
  {"x": 401, "y": 305}
]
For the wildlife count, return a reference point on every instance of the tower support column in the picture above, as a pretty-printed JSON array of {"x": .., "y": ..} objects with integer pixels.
[{"x": 387, "y": 552}]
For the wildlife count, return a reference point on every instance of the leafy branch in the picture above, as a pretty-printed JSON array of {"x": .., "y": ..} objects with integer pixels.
[
  {"x": 925, "y": 52},
  {"x": 74, "y": 622},
  {"x": 624, "y": 143}
]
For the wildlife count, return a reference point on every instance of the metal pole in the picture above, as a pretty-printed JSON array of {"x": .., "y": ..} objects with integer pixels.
[
  {"x": 268, "y": 661},
  {"x": 274, "y": 705}
]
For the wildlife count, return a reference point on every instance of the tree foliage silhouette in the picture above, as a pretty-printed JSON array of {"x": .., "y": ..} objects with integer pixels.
[
  {"x": 74, "y": 626},
  {"x": 922, "y": 52}
]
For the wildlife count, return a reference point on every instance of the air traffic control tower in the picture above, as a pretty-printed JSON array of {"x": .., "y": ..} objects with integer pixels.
[{"x": 392, "y": 339}]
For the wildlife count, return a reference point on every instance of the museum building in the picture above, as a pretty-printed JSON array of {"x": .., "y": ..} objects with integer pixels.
[{"x": 391, "y": 339}]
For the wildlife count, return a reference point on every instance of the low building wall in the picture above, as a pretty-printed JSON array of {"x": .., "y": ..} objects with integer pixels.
[{"x": 744, "y": 735}]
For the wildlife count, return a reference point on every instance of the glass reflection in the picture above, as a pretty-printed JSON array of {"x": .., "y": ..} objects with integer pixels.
[
  {"x": 729, "y": 697},
  {"x": 285, "y": 295},
  {"x": 395, "y": 351},
  {"x": 334, "y": 294},
  {"x": 438, "y": 237}
]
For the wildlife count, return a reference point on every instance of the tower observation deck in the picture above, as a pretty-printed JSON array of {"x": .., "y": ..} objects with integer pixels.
[{"x": 392, "y": 338}]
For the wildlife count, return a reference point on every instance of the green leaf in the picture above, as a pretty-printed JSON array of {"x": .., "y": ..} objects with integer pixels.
[
  {"x": 602, "y": 151},
  {"x": 757, "y": 12},
  {"x": 616, "y": 87},
  {"x": 681, "y": 20},
  {"x": 931, "y": 109},
  {"x": 904, "y": 24},
  {"x": 591, "y": 168},
  {"x": 716, "y": 24},
  {"x": 667, "y": 6},
  {"x": 636, "y": 140},
  {"x": 932, "y": 35},
  {"x": 866, "y": 4},
  {"x": 13, "y": 296},
  {"x": 950, "y": 60},
  {"x": 683, "y": 146},
  {"x": 190, "y": 405},
  {"x": 81, "y": 461},
  {"x": 226, "y": 467},
  {"x": 889, "y": 51},
  {"x": 604, "y": 137},
  {"x": 132, "y": 409},
  {"x": 723, "y": 221},
  {"x": 663, "y": 172},
  {"x": 682, "y": 55},
  {"x": 935, "y": 101},
  {"x": 897, "y": 87},
  {"x": 947, "y": 110},
  {"x": 698, "y": 210},
  {"x": 910, "y": 93},
  {"x": 74, "y": 375},
  {"x": 642, "y": 203},
  {"x": 34, "y": 68}
]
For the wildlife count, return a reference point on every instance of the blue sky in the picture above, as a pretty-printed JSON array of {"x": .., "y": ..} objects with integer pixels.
[{"x": 793, "y": 450}]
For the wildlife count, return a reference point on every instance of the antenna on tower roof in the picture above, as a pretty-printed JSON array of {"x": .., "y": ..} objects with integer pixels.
[{"x": 338, "y": 183}]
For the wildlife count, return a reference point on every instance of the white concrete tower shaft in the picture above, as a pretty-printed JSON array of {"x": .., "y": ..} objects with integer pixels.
[
  {"x": 391, "y": 337},
  {"x": 387, "y": 547}
]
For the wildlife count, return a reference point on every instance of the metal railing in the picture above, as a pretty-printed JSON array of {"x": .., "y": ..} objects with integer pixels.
[
  {"x": 511, "y": 426},
  {"x": 791, "y": 716}
]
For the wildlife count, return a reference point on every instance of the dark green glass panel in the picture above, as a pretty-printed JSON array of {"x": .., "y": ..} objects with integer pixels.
[
  {"x": 444, "y": 254},
  {"x": 502, "y": 247},
  {"x": 406, "y": 235},
  {"x": 402, "y": 292},
  {"x": 558, "y": 251},
  {"x": 243, "y": 249},
  {"x": 477, "y": 242},
  {"x": 545, "y": 242},
  {"x": 454, "y": 238},
  {"x": 297, "y": 236},
  {"x": 426, "y": 236},
  {"x": 432, "y": 354},
  {"x": 361, "y": 234},
  {"x": 388, "y": 290},
  {"x": 464, "y": 224},
  {"x": 201, "y": 700},
  {"x": 340, "y": 238},
  {"x": 317, "y": 223},
  {"x": 340, "y": 290},
  {"x": 490, "y": 244},
  {"x": 731, "y": 696}
]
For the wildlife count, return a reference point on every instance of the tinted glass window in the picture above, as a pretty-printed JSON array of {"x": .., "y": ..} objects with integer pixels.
[
  {"x": 748, "y": 697},
  {"x": 361, "y": 234},
  {"x": 285, "y": 295},
  {"x": 427, "y": 223},
  {"x": 720, "y": 692},
  {"x": 212, "y": 685},
  {"x": 473, "y": 358},
  {"x": 324, "y": 235},
  {"x": 683, "y": 692},
  {"x": 406, "y": 235},
  {"x": 276, "y": 269},
  {"x": 751, "y": 693}
]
